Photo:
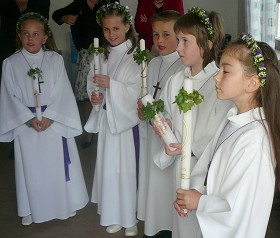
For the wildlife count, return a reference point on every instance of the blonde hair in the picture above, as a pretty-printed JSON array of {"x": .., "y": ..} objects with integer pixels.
[{"x": 50, "y": 43}]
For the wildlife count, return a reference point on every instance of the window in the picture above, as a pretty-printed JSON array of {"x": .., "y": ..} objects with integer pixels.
[
  {"x": 261, "y": 20},
  {"x": 277, "y": 36}
]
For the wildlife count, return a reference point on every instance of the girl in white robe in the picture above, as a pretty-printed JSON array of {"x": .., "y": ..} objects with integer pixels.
[
  {"x": 197, "y": 51},
  {"x": 114, "y": 185},
  {"x": 153, "y": 181},
  {"x": 48, "y": 185},
  {"x": 240, "y": 181}
]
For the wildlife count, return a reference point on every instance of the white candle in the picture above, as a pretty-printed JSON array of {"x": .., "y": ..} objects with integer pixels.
[
  {"x": 186, "y": 141},
  {"x": 96, "y": 68},
  {"x": 143, "y": 70},
  {"x": 37, "y": 94},
  {"x": 166, "y": 132}
]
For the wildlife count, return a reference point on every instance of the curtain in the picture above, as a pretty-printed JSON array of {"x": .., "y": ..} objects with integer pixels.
[{"x": 261, "y": 20}]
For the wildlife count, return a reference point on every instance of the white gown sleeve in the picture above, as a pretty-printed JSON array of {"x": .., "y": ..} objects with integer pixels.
[
  {"x": 122, "y": 96},
  {"x": 61, "y": 106},
  {"x": 240, "y": 205},
  {"x": 13, "y": 113},
  {"x": 161, "y": 159}
]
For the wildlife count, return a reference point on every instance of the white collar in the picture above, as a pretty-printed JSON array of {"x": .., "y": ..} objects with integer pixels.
[
  {"x": 246, "y": 117},
  {"x": 121, "y": 47},
  {"x": 204, "y": 74}
]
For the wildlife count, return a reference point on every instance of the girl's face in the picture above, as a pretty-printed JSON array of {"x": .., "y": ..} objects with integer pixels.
[
  {"x": 164, "y": 37},
  {"x": 230, "y": 81},
  {"x": 190, "y": 52},
  {"x": 114, "y": 30},
  {"x": 32, "y": 36}
]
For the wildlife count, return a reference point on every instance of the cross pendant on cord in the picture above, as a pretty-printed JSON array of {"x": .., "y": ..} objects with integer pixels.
[
  {"x": 157, "y": 87},
  {"x": 39, "y": 83}
]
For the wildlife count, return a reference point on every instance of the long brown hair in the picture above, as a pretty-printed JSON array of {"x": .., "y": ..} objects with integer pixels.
[
  {"x": 268, "y": 96},
  {"x": 130, "y": 35}
]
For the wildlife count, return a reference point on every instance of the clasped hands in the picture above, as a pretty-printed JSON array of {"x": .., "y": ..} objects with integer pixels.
[{"x": 42, "y": 125}]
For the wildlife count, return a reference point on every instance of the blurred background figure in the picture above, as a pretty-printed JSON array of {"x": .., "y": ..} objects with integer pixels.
[
  {"x": 10, "y": 11},
  {"x": 148, "y": 8}
]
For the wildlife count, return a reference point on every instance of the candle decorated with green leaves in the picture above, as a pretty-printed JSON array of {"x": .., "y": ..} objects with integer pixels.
[
  {"x": 35, "y": 73},
  {"x": 143, "y": 56},
  {"x": 152, "y": 111},
  {"x": 186, "y": 99}
]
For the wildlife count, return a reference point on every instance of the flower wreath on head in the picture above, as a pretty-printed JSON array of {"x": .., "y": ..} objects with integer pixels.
[
  {"x": 257, "y": 54},
  {"x": 37, "y": 16},
  {"x": 204, "y": 19},
  {"x": 113, "y": 6}
]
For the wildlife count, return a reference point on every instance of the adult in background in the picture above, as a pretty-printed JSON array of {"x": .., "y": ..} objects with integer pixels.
[
  {"x": 10, "y": 11},
  {"x": 81, "y": 16},
  {"x": 148, "y": 8}
]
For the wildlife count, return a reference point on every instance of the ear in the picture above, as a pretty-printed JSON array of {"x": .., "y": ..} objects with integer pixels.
[
  {"x": 45, "y": 39},
  {"x": 210, "y": 44},
  {"x": 127, "y": 26},
  {"x": 253, "y": 84}
]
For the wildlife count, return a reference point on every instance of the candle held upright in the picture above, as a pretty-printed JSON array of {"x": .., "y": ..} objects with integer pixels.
[
  {"x": 143, "y": 70},
  {"x": 186, "y": 141},
  {"x": 96, "y": 68},
  {"x": 37, "y": 94}
]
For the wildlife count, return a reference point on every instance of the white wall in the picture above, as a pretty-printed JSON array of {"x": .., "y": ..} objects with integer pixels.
[
  {"x": 229, "y": 10},
  {"x": 232, "y": 12}
]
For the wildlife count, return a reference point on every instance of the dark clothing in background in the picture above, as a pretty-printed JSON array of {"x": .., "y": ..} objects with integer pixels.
[
  {"x": 10, "y": 13},
  {"x": 85, "y": 27}
]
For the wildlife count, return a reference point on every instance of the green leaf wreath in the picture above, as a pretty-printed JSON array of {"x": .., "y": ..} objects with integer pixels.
[
  {"x": 94, "y": 50},
  {"x": 151, "y": 109},
  {"x": 186, "y": 101},
  {"x": 142, "y": 55},
  {"x": 33, "y": 72}
]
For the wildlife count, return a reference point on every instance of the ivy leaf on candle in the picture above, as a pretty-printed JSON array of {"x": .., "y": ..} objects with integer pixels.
[
  {"x": 33, "y": 72},
  {"x": 94, "y": 50},
  {"x": 186, "y": 101},
  {"x": 142, "y": 56},
  {"x": 151, "y": 109}
]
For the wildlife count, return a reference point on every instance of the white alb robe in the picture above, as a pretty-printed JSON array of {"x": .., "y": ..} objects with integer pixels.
[
  {"x": 207, "y": 116},
  {"x": 154, "y": 182},
  {"x": 240, "y": 181},
  {"x": 41, "y": 187},
  {"x": 114, "y": 185}
]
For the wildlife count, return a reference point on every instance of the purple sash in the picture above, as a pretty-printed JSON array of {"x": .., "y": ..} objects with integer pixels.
[
  {"x": 67, "y": 160},
  {"x": 136, "y": 139}
]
